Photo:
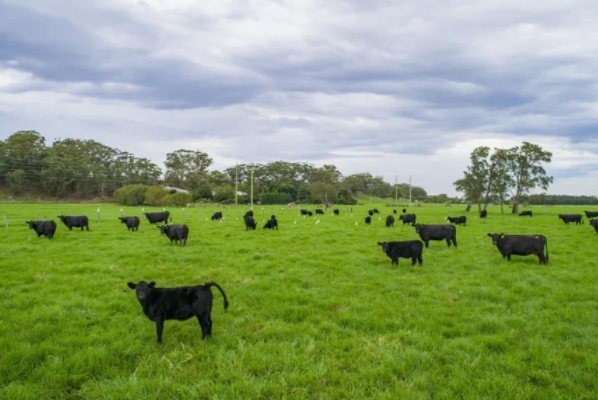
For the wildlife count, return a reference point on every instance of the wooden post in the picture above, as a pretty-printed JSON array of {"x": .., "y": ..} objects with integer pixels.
[
  {"x": 5, "y": 221},
  {"x": 98, "y": 214},
  {"x": 183, "y": 214}
]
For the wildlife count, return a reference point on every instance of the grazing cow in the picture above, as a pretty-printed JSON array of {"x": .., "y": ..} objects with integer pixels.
[
  {"x": 577, "y": 218},
  {"x": 368, "y": 220},
  {"x": 591, "y": 214},
  {"x": 248, "y": 214},
  {"x": 46, "y": 228},
  {"x": 180, "y": 303},
  {"x": 394, "y": 211},
  {"x": 406, "y": 249},
  {"x": 483, "y": 213},
  {"x": 520, "y": 245},
  {"x": 77, "y": 222},
  {"x": 390, "y": 221},
  {"x": 309, "y": 213},
  {"x": 304, "y": 212},
  {"x": 404, "y": 210},
  {"x": 336, "y": 211},
  {"x": 250, "y": 223},
  {"x": 218, "y": 215},
  {"x": 462, "y": 220},
  {"x": 176, "y": 233},
  {"x": 594, "y": 223},
  {"x": 408, "y": 219},
  {"x": 375, "y": 210},
  {"x": 318, "y": 211},
  {"x": 156, "y": 217},
  {"x": 525, "y": 214},
  {"x": 437, "y": 232},
  {"x": 132, "y": 223},
  {"x": 468, "y": 208},
  {"x": 271, "y": 223},
  {"x": 370, "y": 213}
]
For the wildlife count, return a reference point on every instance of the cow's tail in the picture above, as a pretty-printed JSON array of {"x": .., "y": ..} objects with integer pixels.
[
  {"x": 546, "y": 245},
  {"x": 209, "y": 284}
]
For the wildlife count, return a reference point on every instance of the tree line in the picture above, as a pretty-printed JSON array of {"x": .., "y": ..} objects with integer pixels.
[{"x": 77, "y": 168}]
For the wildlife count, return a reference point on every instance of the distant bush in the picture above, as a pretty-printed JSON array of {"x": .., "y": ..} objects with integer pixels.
[
  {"x": 131, "y": 195},
  {"x": 276, "y": 198},
  {"x": 154, "y": 196},
  {"x": 177, "y": 199}
]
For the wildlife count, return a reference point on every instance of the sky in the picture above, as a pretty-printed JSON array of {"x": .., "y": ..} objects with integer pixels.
[{"x": 394, "y": 88}]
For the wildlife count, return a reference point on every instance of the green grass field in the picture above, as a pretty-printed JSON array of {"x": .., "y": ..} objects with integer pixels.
[{"x": 317, "y": 311}]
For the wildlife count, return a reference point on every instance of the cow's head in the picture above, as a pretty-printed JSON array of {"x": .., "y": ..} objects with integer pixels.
[
  {"x": 123, "y": 219},
  {"x": 418, "y": 227},
  {"x": 62, "y": 217},
  {"x": 384, "y": 246},
  {"x": 594, "y": 222},
  {"x": 163, "y": 229},
  {"x": 142, "y": 289},
  {"x": 32, "y": 224},
  {"x": 496, "y": 236}
]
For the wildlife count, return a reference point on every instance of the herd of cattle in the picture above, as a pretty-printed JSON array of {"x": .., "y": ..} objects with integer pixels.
[{"x": 182, "y": 303}]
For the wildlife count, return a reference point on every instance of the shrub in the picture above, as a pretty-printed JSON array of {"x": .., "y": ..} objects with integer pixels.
[
  {"x": 276, "y": 198},
  {"x": 154, "y": 196},
  {"x": 131, "y": 195},
  {"x": 177, "y": 199}
]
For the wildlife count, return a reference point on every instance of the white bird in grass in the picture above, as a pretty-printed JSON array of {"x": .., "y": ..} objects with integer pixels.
[
  {"x": 295, "y": 222},
  {"x": 317, "y": 222}
]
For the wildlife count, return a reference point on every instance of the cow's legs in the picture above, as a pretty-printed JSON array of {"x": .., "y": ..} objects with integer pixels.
[
  {"x": 159, "y": 328},
  {"x": 454, "y": 241}
]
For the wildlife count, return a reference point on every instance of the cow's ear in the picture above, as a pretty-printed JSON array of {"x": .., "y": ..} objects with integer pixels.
[
  {"x": 27, "y": 222},
  {"x": 152, "y": 284},
  {"x": 490, "y": 234},
  {"x": 131, "y": 285},
  {"x": 380, "y": 244}
]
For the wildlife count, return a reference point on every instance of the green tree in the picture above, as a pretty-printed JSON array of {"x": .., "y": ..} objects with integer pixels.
[
  {"x": 17, "y": 181},
  {"x": 186, "y": 168},
  {"x": 475, "y": 183},
  {"x": 26, "y": 151},
  {"x": 524, "y": 165}
]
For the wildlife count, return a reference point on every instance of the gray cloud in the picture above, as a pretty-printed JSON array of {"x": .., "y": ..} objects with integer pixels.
[{"x": 371, "y": 86}]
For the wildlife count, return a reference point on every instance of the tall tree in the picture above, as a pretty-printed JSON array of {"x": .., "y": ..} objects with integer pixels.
[
  {"x": 524, "y": 164},
  {"x": 474, "y": 184},
  {"x": 186, "y": 167},
  {"x": 23, "y": 150}
]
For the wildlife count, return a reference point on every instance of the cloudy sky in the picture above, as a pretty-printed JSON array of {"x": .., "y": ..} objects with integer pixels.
[{"x": 394, "y": 88}]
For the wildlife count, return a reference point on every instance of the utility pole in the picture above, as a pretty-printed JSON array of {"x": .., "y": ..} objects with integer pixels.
[
  {"x": 409, "y": 189},
  {"x": 236, "y": 184},
  {"x": 396, "y": 190},
  {"x": 252, "y": 187}
]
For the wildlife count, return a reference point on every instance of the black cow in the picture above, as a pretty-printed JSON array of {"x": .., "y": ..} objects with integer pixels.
[
  {"x": 520, "y": 245},
  {"x": 370, "y": 213},
  {"x": 525, "y": 214},
  {"x": 309, "y": 213},
  {"x": 394, "y": 211},
  {"x": 406, "y": 249},
  {"x": 156, "y": 217},
  {"x": 77, "y": 222},
  {"x": 404, "y": 210},
  {"x": 437, "y": 232},
  {"x": 591, "y": 214},
  {"x": 462, "y": 220},
  {"x": 218, "y": 215},
  {"x": 468, "y": 208},
  {"x": 483, "y": 213},
  {"x": 594, "y": 223},
  {"x": 336, "y": 211},
  {"x": 180, "y": 303},
  {"x": 250, "y": 223},
  {"x": 176, "y": 233},
  {"x": 375, "y": 210},
  {"x": 577, "y": 218},
  {"x": 46, "y": 228},
  {"x": 390, "y": 221},
  {"x": 318, "y": 211},
  {"x": 132, "y": 223},
  {"x": 271, "y": 223},
  {"x": 304, "y": 212},
  {"x": 368, "y": 220},
  {"x": 408, "y": 219}
]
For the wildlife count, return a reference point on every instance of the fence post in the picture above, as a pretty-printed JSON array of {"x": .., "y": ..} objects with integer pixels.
[
  {"x": 98, "y": 214},
  {"x": 183, "y": 214},
  {"x": 5, "y": 221}
]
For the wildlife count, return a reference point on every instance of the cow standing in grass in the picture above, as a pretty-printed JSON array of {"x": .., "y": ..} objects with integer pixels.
[
  {"x": 46, "y": 228},
  {"x": 462, "y": 220},
  {"x": 217, "y": 216},
  {"x": 577, "y": 218},
  {"x": 368, "y": 220},
  {"x": 272, "y": 223},
  {"x": 250, "y": 223},
  {"x": 527, "y": 213},
  {"x": 521, "y": 245},
  {"x": 180, "y": 303},
  {"x": 437, "y": 232},
  {"x": 407, "y": 249},
  {"x": 483, "y": 213},
  {"x": 591, "y": 214},
  {"x": 77, "y": 222},
  {"x": 176, "y": 233},
  {"x": 594, "y": 223},
  {"x": 154, "y": 218},
  {"x": 408, "y": 219},
  {"x": 132, "y": 223},
  {"x": 390, "y": 221}
]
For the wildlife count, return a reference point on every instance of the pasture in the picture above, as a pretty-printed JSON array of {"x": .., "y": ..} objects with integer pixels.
[{"x": 316, "y": 310}]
